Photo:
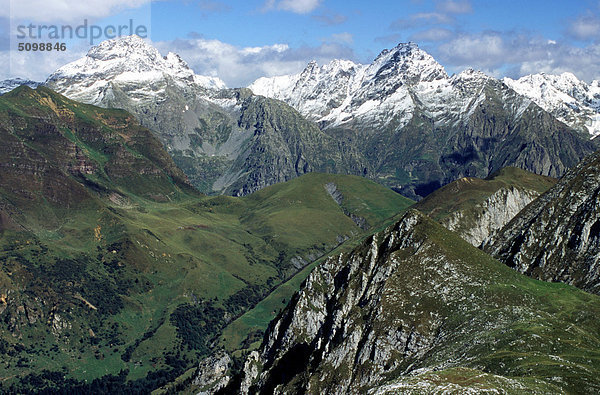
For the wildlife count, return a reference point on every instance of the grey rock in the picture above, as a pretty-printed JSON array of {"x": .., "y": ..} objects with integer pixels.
[{"x": 557, "y": 237}]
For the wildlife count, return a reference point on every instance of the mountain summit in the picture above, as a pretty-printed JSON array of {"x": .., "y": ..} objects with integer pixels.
[
  {"x": 128, "y": 60},
  {"x": 341, "y": 89}
]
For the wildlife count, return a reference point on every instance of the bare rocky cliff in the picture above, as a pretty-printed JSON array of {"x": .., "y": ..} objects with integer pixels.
[
  {"x": 557, "y": 238},
  {"x": 478, "y": 223}
]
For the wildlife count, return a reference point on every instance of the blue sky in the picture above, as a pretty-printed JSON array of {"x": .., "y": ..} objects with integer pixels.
[{"x": 239, "y": 41}]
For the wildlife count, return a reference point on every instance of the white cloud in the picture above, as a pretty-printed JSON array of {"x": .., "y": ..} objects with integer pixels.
[
  {"x": 342, "y": 38},
  {"x": 36, "y": 66},
  {"x": 585, "y": 27},
  {"x": 297, "y": 6},
  {"x": 240, "y": 66},
  {"x": 516, "y": 55},
  {"x": 455, "y": 7},
  {"x": 65, "y": 10}
]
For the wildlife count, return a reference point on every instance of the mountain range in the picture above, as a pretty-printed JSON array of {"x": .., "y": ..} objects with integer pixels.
[
  {"x": 570, "y": 100},
  {"x": 422, "y": 128},
  {"x": 126, "y": 268},
  {"x": 401, "y": 121}
]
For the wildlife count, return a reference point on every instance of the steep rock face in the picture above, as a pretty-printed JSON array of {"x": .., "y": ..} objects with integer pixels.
[
  {"x": 490, "y": 215},
  {"x": 557, "y": 238},
  {"x": 283, "y": 146},
  {"x": 572, "y": 101},
  {"x": 408, "y": 301},
  {"x": 476, "y": 208},
  {"x": 212, "y": 373},
  {"x": 225, "y": 140},
  {"x": 420, "y": 128}
]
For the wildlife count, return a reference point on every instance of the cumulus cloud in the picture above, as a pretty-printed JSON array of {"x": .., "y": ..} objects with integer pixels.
[
  {"x": 296, "y": 6},
  {"x": 240, "y": 66},
  {"x": 516, "y": 55},
  {"x": 36, "y": 66},
  {"x": 65, "y": 10}
]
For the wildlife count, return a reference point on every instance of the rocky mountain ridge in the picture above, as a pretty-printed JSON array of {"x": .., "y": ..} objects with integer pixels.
[
  {"x": 477, "y": 208},
  {"x": 557, "y": 237},
  {"x": 404, "y": 307}
]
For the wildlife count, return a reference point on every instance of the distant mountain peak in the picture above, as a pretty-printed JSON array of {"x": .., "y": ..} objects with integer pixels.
[
  {"x": 412, "y": 62},
  {"x": 569, "y": 99},
  {"x": 341, "y": 89},
  {"x": 400, "y": 48},
  {"x": 12, "y": 83},
  {"x": 126, "y": 60},
  {"x": 122, "y": 47}
]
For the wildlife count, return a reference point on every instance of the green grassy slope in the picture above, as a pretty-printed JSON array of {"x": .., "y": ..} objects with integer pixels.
[{"x": 112, "y": 265}]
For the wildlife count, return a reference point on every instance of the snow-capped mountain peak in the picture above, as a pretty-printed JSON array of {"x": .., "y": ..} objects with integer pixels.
[
  {"x": 124, "y": 47},
  {"x": 408, "y": 61},
  {"x": 343, "y": 90},
  {"x": 565, "y": 96},
  {"x": 406, "y": 77},
  {"x": 10, "y": 84},
  {"x": 316, "y": 89},
  {"x": 126, "y": 60}
]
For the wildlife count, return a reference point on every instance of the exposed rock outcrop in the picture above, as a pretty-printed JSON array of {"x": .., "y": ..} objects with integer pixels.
[
  {"x": 475, "y": 225},
  {"x": 557, "y": 237}
]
